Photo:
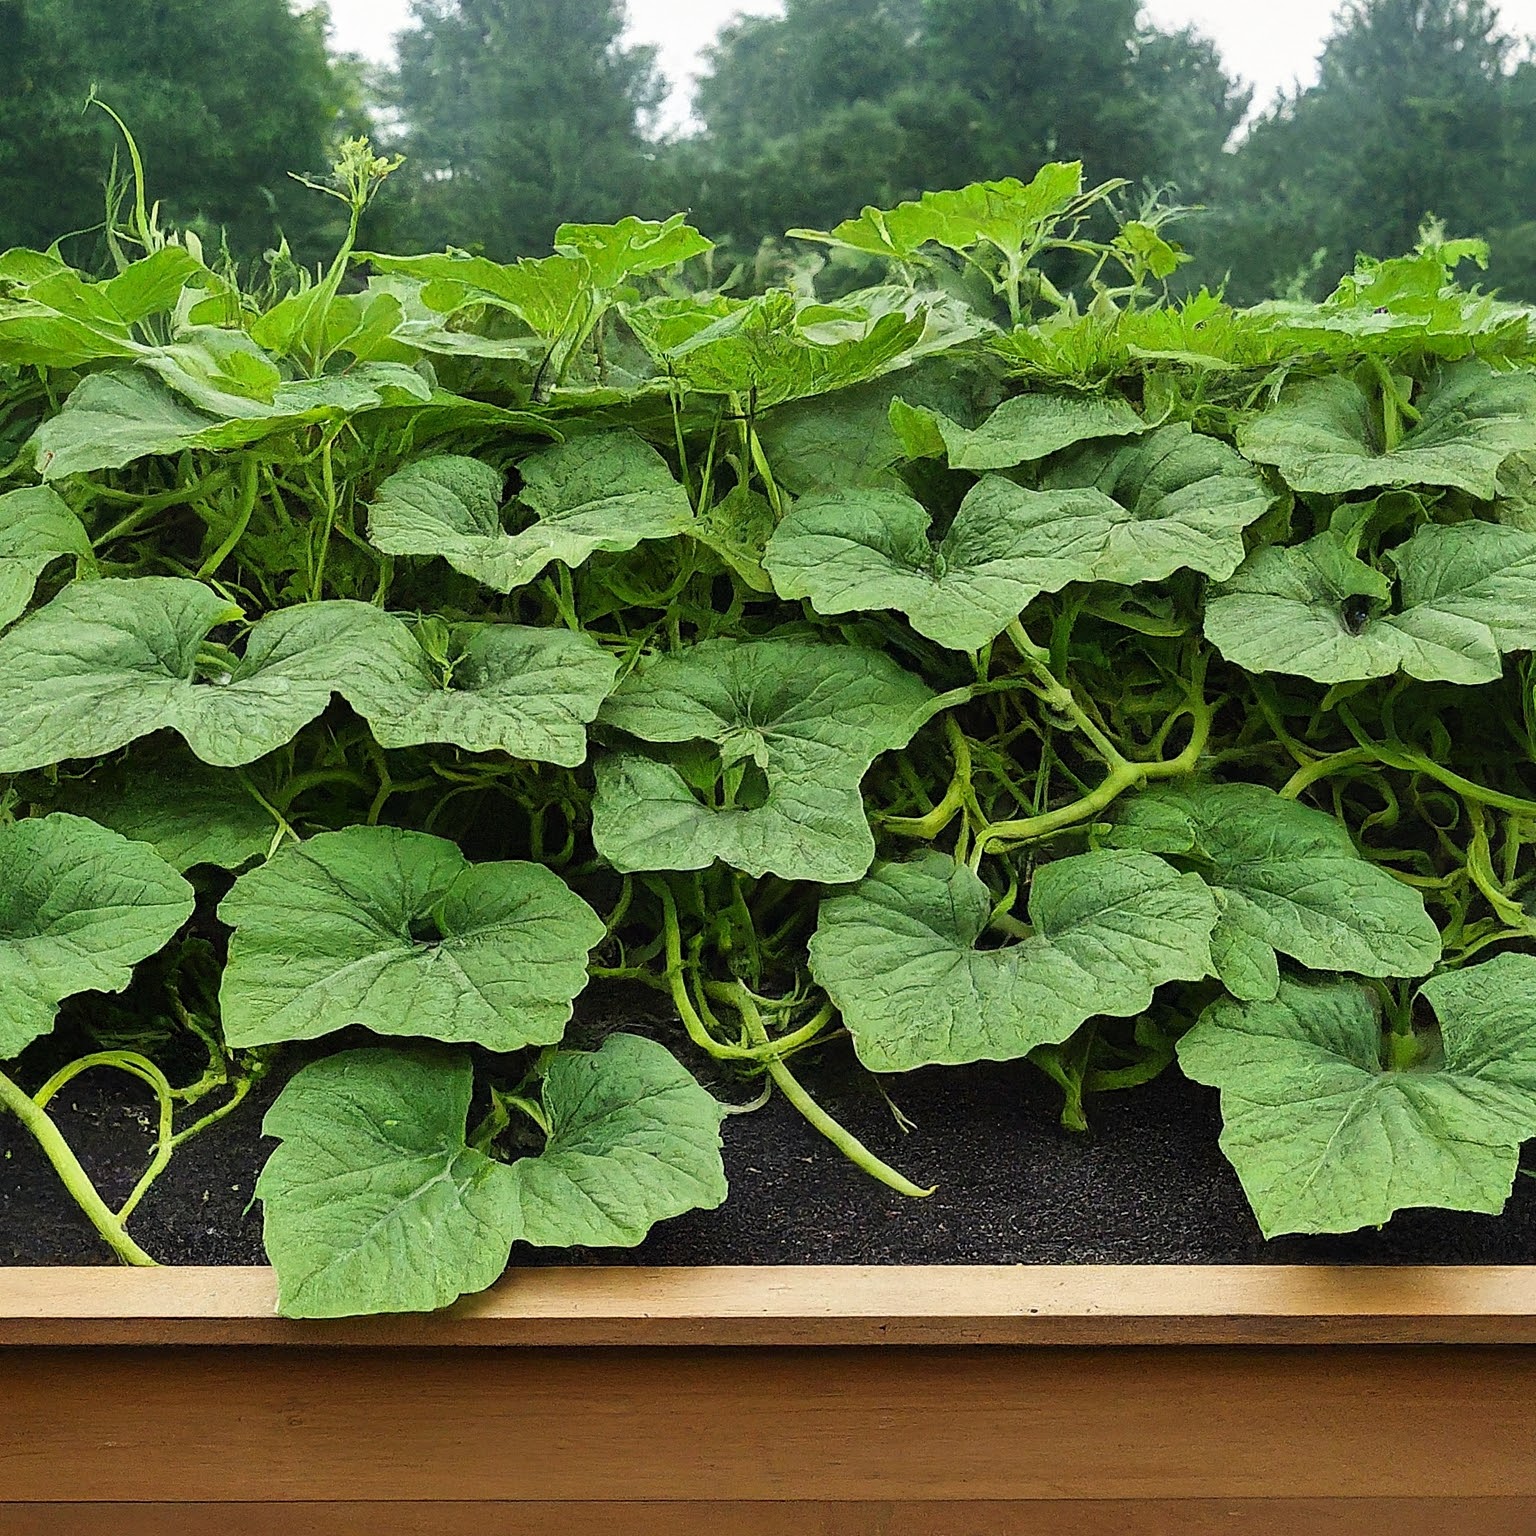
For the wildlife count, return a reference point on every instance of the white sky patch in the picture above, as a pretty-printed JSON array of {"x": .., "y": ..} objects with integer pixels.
[{"x": 1273, "y": 46}]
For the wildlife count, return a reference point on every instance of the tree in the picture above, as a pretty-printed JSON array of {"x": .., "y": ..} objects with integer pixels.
[
  {"x": 843, "y": 102},
  {"x": 518, "y": 115},
  {"x": 1410, "y": 117},
  {"x": 771, "y": 76},
  {"x": 224, "y": 97}
]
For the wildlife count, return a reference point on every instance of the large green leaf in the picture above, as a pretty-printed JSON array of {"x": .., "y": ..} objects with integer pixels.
[
  {"x": 1136, "y": 513},
  {"x": 37, "y": 527},
  {"x": 763, "y": 353},
  {"x": 491, "y": 688},
  {"x": 1466, "y": 596},
  {"x": 1285, "y": 878},
  {"x": 397, "y": 931},
  {"x": 1325, "y": 435},
  {"x": 899, "y": 956},
  {"x": 848, "y": 440},
  {"x": 605, "y": 492},
  {"x": 809, "y": 718},
  {"x": 1187, "y": 500},
  {"x": 1327, "y": 1138},
  {"x": 80, "y": 906},
  {"x": 124, "y": 414},
  {"x": 189, "y": 813},
  {"x": 376, "y": 1202},
  {"x": 1031, "y": 427},
  {"x": 633, "y": 1140},
  {"x": 109, "y": 661}
]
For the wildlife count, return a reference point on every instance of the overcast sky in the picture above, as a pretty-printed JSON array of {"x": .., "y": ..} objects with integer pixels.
[{"x": 1272, "y": 44}]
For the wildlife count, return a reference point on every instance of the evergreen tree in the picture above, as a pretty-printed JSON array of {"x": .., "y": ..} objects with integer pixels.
[
  {"x": 838, "y": 103},
  {"x": 1414, "y": 113},
  {"x": 517, "y": 115}
]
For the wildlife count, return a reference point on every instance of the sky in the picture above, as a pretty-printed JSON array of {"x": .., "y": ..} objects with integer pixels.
[{"x": 1272, "y": 44}]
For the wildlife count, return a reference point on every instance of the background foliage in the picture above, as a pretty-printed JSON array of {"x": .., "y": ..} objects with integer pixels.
[{"x": 517, "y": 114}]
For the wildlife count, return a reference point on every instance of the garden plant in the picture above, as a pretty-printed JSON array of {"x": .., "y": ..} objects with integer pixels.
[{"x": 969, "y": 649}]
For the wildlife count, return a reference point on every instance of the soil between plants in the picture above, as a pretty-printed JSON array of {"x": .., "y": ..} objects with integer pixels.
[{"x": 1146, "y": 1184}]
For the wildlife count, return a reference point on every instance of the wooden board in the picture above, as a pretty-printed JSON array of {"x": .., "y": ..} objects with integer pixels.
[
  {"x": 1219, "y": 1517},
  {"x": 919, "y": 1425},
  {"x": 631, "y": 1402},
  {"x": 878, "y": 1305}
]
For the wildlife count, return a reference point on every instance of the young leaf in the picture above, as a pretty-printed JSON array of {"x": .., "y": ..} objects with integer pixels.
[
  {"x": 1324, "y": 436},
  {"x": 376, "y": 1202},
  {"x": 809, "y": 717},
  {"x": 80, "y": 906},
  {"x": 37, "y": 527},
  {"x": 1032, "y": 427},
  {"x": 1327, "y": 1138},
  {"x": 62, "y": 321},
  {"x": 109, "y": 661},
  {"x": 397, "y": 931},
  {"x": 1182, "y": 502},
  {"x": 606, "y": 492},
  {"x": 548, "y": 295},
  {"x": 1009, "y": 215},
  {"x": 1467, "y": 595},
  {"x": 632, "y": 247},
  {"x": 1286, "y": 878},
  {"x": 899, "y": 957}
]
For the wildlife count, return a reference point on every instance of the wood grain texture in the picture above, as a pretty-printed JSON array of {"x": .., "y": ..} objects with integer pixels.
[
  {"x": 1269, "y": 1517},
  {"x": 809, "y": 1305},
  {"x": 902, "y": 1425}
]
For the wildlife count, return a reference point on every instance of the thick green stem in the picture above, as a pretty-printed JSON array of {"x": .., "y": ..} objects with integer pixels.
[
  {"x": 693, "y": 1021},
  {"x": 74, "y": 1178},
  {"x": 246, "y": 507},
  {"x": 957, "y": 797},
  {"x": 840, "y": 1137},
  {"x": 1121, "y": 778},
  {"x": 1405, "y": 762}
]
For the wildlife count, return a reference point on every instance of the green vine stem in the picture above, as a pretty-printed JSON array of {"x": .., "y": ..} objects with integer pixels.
[
  {"x": 1124, "y": 774},
  {"x": 74, "y": 1178},
  {"x": 840, "y": 1137},
  {"x": 765, "y": 1051},
  {"x": 1405, "y": 761}
]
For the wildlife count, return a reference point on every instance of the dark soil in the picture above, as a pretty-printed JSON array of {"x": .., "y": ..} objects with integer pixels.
[{"x": 1145, "y": 1185}]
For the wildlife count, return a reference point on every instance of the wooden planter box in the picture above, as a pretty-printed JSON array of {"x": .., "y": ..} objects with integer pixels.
[{"x": 942, "y": 1401}]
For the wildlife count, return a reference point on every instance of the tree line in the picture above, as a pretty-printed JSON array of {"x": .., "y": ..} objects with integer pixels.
[{"x": 515, "y": 115}]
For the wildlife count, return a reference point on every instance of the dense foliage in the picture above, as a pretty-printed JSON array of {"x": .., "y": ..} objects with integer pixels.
[
  {"x": 985, "y": 666},
  {"x": 516, "y": 115}
]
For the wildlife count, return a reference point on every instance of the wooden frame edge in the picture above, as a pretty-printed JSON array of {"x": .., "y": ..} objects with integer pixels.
[{"x": 929, "y": 1305}]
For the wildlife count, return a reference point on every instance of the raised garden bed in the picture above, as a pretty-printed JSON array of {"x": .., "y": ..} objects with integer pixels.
[
  {"x": 928, "y": 1399},
  {"x": 955, "y": 703},
  {"x": 952, "y": 1401}
]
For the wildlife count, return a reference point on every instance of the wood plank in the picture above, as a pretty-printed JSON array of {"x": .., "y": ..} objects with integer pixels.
[
  {"x": 810, "y": 1305},
  {"x": 797, "y": 1424},
  {"x": 1267, "y": 1517}
]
